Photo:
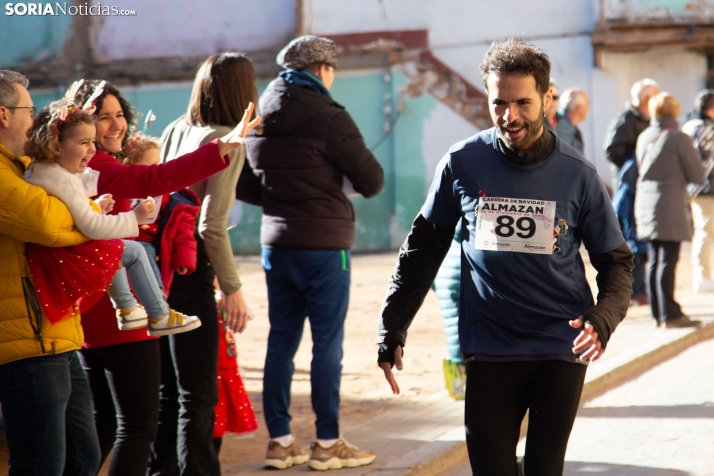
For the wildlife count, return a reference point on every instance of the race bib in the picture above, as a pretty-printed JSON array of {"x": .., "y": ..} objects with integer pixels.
[{"x": 515, "y": 225}]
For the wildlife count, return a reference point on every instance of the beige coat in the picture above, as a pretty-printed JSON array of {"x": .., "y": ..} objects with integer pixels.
[{"x": 667, "y": 162}]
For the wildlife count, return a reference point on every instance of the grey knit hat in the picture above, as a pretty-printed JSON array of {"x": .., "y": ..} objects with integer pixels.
[{"x": 306, "y": 50}]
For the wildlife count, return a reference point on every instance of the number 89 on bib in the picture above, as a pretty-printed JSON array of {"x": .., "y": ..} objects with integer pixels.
[{"x": 515, "y": 225}]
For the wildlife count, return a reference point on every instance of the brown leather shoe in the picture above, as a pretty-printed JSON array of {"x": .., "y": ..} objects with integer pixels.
[{"x": 681, "y": 321}]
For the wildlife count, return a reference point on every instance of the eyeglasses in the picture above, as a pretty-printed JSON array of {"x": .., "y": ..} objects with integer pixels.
[
  {"x": 555, "y": 97},
  {"x": 32, "y": 109}
]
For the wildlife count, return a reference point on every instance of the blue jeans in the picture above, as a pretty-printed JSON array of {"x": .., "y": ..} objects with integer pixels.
[
  {"x": 150, "y": 249},
  {"x": 143, "y": 281},
  {"x": 48, "y": 415},
  {"x": 316, "y": 285}
]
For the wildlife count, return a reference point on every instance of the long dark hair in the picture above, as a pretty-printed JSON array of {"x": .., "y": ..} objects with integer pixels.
[
  {"x": 87, "y": 89},
  {"x": 224, "y": 85}
]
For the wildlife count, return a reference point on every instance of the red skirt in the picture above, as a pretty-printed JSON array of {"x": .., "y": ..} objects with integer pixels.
[
  {"x": 234, "y": 412},
  {"x": 64, "y": 276}
]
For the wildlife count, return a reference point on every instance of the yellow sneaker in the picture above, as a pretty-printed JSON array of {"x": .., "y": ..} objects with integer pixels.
[
  {"x": 134, "y": 318},
  {"x": 173, "y": 322}
]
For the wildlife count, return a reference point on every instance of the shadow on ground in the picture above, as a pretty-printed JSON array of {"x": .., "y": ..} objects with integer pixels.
[
  {"x": 573, "y": 468},
  {"x": 705, "y": 410}
]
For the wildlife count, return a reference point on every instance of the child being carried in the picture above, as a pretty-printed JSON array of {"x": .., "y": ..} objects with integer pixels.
[{"x": 61, "y": 142}]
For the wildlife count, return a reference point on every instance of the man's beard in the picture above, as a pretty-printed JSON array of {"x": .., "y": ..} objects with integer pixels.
[{"x": 532, "y": 131}]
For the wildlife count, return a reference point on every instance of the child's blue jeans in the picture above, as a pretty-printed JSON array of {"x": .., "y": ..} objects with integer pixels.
[{"x": 138, "y": 269}]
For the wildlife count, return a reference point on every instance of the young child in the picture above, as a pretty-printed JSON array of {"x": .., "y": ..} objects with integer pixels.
[
  {"x": 61, "y": 140},
  {"x": 234, "y": 412},
  {"x": 169, "y": 241}
]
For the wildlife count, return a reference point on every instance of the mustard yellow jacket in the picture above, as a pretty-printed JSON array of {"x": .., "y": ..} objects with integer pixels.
[{"x": 29, "y": 215}]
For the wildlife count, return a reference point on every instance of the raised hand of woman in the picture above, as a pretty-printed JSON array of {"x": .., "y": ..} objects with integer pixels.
[{"x": 236, "y": 137}]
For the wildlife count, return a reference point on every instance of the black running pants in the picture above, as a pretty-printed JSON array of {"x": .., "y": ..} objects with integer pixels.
[{"x": 497, "y": 397}]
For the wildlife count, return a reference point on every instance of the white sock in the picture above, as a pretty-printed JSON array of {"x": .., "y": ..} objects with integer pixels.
[
  {"x": 327, "y": 443},
  {"x": 285, "y": 440}
]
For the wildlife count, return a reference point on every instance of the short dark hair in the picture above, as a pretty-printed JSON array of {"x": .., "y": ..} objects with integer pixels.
[
  {"x": 704, "y": 100},
  {"x": 8, "y": 93},
  {"x": 224, "y": 85},
  {"x": 88, "y": 88},
  {"x": 515, "y": 56}
]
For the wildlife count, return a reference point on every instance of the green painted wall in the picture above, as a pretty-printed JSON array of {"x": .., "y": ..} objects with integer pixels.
[
  {"x": 410, "y": 168},
  {"x": 383, "y": 221},
  {"x": 26, "y": 38}
]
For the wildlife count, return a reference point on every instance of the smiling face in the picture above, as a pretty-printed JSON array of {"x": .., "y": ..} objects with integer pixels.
[
  {"x": 516, "y": 108},
  {"x": 111, "y": 125},
  {"x": 77, "y": 148}
]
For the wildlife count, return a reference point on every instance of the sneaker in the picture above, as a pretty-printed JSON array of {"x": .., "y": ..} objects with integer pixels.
[
  {"x": 681, "y": 321},
  {"x": 703, "y": 285},
  {"x": 172, "y": 322},
  {"x": 134, "y": 318},
  {"x": 340, "y": 455},
  {"x": 283, "y": 457}
]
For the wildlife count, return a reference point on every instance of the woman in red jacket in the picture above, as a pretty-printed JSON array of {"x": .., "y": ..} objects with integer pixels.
[{"x": 123, "y": 367}]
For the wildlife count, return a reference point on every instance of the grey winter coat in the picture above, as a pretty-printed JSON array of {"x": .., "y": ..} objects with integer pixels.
[{"x": 666, "y": 167}]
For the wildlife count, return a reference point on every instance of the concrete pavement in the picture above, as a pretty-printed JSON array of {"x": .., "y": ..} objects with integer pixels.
[{"x": 422, "y": 433}]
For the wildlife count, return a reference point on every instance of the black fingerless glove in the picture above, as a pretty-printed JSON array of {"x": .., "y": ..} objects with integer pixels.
[{"x": 386, "y": 353}]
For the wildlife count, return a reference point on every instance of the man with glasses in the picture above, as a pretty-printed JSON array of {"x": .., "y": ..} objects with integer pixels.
[{"x": 45, "y": 397}]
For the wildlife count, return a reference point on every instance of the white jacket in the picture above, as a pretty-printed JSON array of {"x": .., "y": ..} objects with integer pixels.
[{"x": 63, "y": 184}]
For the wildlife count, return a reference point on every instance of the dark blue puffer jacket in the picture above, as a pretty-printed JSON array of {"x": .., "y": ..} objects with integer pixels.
[{"x": 448, "y": 290}]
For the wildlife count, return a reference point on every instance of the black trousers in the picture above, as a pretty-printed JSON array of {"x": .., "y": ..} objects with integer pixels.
[
  {"x": 497, "y": 397},
  {"x": 663, "y": 257},
  {"x": 124, "y": 380},
  {"x": 189, "y": 371}
]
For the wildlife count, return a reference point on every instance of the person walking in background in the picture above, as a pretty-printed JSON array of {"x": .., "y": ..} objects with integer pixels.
[
  {"x": 574, "y": 108},
  {"x": 223, "y": 96},
  {"x": 551, "y": 114},
  {"x": 309, "y": 145},
  {"x": 620, "y": 144},
  {"x": 45, "y": 397},
  {"x": 622, "y": 134},
  {"x": 667, "y": 162},
  {"x": 701, "y": 129}
]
